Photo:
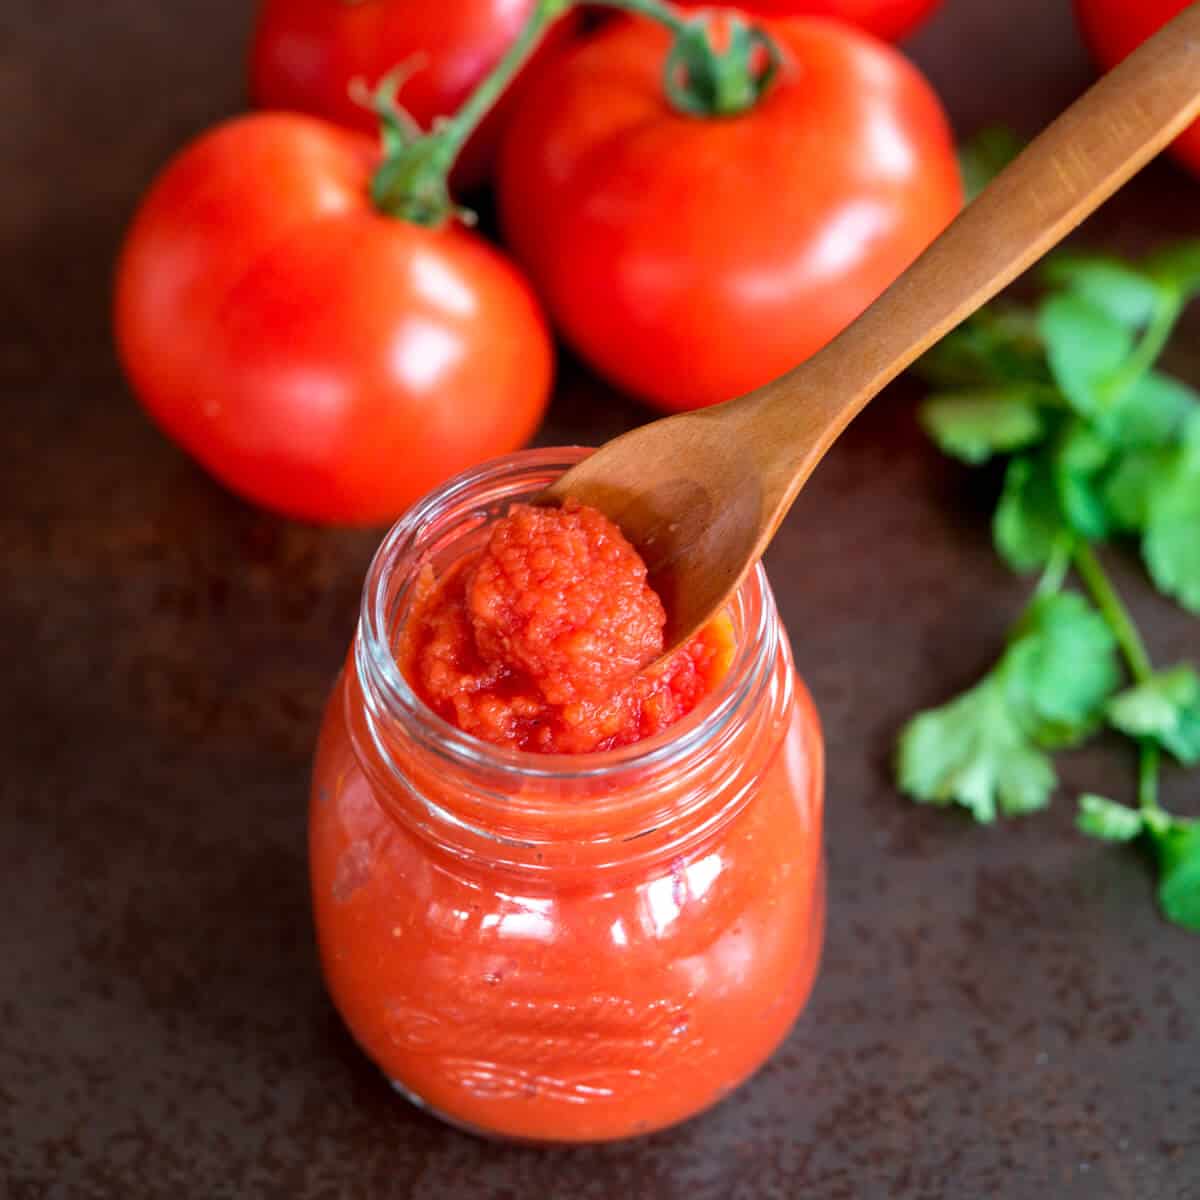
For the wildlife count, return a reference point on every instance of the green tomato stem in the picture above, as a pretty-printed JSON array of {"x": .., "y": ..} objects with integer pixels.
[
  {"x": 479, "y": 103},
  {"x": 411, "y": 182},
  {"x": 701, "y": 81},
  {"x": 698, "y": 79},
  {"x": 656, "y": 11},
  {"x": 1113, "y": 611}
]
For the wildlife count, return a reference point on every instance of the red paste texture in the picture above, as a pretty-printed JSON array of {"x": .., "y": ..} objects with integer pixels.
[{"x": 541, "y": 640}]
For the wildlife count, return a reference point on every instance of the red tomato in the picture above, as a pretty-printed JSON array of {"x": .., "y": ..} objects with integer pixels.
[
  {"x": 315, "y": 355},
  {"x": 306, "y": 53},
  {"x": 890, "y": 19},
  {"x": 1113, "y": 28},
  {"x": 692, "y": 259}
]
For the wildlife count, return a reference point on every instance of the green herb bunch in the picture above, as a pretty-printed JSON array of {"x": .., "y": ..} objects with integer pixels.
[{"x": 1100, "y": 446}]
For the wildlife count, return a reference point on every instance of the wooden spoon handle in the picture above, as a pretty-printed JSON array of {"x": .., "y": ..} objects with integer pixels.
[{"x": 1069, "y": 170}]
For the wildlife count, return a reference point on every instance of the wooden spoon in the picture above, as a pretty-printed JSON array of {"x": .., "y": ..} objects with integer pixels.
[{"x": 702, "y": 493}]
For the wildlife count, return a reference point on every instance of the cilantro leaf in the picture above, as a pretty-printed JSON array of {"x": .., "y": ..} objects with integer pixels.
[
  {"x": 1172, "y": 550},
  {"x": 1129, "y": 485},
  {"x": 1120, "y": 290},
  {"x": 974, "y": 752},
  {"x": 1085, "y": 346},
  {"x": 1080, "y": 457},
  {"x": 973, "y": 426},
  {"x": 1177, "y": 268},
  {"x": 1166, "y": 707},
  {"x": 1060, "y": 667},
  {"x": 1028, "y": 520},
  {"x": 1153, "y": 475},
  {"x": 1171, "y": 543},
  {"x": 1151, "y": 412},
  {"x": 1177, "y": 843},
  {"x": 985, "y": 155},
  {"x": 985, "y": 749},
  {"x": 1102, "y": 818}
]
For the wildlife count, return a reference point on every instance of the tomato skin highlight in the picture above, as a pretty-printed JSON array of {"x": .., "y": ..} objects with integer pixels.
[
  {"x": 316, "y": 356},
  {"x": 887, "y": 19},
  {"x": 1113, "y": 29},
  {"x": 690, "y": 259},
  {"x": 306, "y": 54}
]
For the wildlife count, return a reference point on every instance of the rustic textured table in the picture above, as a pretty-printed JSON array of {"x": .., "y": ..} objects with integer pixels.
[{"x": 1000, "y": 1013}]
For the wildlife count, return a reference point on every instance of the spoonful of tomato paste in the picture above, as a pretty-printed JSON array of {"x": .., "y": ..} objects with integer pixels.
[{"x": 541, "y": 640}]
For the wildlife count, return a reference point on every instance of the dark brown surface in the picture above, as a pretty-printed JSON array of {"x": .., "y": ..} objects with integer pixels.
[{"x": 1000, "y": 1013}]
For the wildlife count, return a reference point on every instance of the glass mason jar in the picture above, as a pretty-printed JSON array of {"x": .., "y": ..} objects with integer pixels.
[{"x": 563, "y": 947}]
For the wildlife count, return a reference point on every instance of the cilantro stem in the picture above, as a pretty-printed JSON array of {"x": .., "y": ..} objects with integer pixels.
[
  {"x": 1151, "y": 344},
  {"x": 1154, "y": 341},
  {"x": 1133, "y": 648},
  {"x": 1148, "y": 760},
  {"x": 1113, "y": 611},
  {"x": 1057, "y": 565}
]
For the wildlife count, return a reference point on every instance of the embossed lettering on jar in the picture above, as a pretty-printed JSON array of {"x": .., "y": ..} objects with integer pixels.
[{"x": 563, "y": 947}]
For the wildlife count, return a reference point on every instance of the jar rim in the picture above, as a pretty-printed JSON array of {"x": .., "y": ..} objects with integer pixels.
[{"x": 404, "y": 549}]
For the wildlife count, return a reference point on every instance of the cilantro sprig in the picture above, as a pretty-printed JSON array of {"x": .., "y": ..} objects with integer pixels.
[
  {"x": 1099, "y": 446},
  {"x": 988, "y": 749}
]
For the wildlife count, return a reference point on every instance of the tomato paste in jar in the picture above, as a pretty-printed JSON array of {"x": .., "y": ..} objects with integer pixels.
[{"x": 564, "y": 889}]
